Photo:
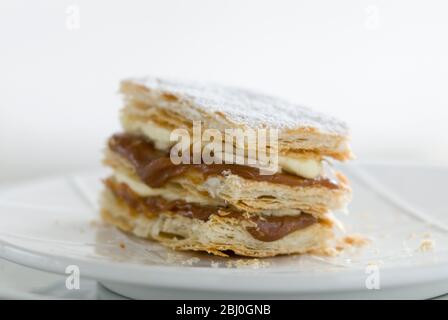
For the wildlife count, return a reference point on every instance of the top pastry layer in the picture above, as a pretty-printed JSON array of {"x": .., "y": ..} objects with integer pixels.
[{"x": 221, "y": 107}]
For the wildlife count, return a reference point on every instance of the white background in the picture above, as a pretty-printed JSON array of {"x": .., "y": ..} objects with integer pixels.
[{"x": 380, "y": 65}]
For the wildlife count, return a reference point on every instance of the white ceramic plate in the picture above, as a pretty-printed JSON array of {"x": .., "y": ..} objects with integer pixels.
[
  {"x": 23, "y": 283},
  {"x": 52, "y": 223}
]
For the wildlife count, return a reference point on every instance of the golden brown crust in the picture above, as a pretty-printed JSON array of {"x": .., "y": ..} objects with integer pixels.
[{"x": 305, "y": 130}]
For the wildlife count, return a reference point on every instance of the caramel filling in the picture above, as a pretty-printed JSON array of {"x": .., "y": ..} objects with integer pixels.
[
  {"x": 267, "y": 228},
  {"x": 155, "y": 168}
]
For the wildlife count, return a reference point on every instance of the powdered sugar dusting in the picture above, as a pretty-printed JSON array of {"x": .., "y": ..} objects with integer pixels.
[{"x": 246, "y": 107}]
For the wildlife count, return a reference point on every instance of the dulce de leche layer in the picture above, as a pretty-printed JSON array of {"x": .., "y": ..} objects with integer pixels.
[
  {"x": 267, "y": 228},
  {"x": 155, "y": 167}
]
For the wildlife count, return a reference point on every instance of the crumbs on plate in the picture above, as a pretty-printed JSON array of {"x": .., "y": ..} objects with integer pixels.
[{"x": 426, "y": 245}]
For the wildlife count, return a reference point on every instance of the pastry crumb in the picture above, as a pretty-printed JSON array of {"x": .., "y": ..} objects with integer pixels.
[
  {"x": 178, "y": 259},
  {"x": 247, "y": 263},
  {"x": 426, "y": 245},
  {"x": 326, "y": 252},
  {"x": 122, "y": 245},
  {"x": 349, "y": 241},
  {"x": 355, "y": 240},
  {"x": 191, "y": 261}
]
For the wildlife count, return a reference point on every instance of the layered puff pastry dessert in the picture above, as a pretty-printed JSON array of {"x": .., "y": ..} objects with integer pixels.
[{"x": 224, "y": 207}]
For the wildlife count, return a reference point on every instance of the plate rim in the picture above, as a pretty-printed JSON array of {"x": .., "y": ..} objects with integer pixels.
[{"x": 246, "y": 280}]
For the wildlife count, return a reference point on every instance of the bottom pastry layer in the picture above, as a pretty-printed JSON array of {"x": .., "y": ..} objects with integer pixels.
[{"x": 218, "y": 235}]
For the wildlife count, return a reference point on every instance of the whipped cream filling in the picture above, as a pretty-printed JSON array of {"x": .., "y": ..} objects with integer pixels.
[
  {"x": 169, "y": 193},
  {"x": 159, "y": 135},
  {"x": 309, "y": 168},
  {"x": 143, "y": 190}
]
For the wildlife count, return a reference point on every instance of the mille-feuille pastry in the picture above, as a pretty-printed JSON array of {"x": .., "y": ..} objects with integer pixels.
[{"x": 221, "y": 207}]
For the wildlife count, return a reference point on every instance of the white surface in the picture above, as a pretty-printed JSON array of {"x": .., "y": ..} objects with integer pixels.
[
  {"x": 380, "y": 65},
  {"x": 19, "y": 282},
  {"x": 51, "y": 232}
]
